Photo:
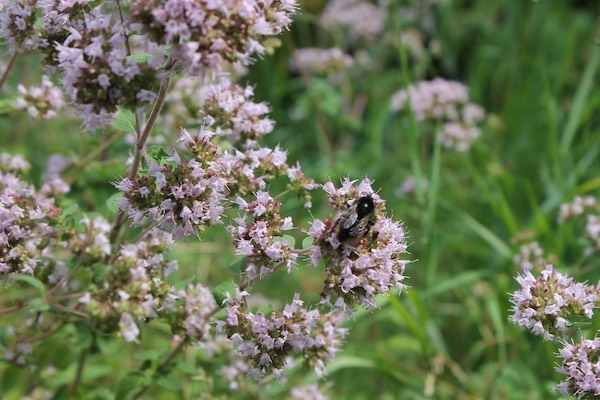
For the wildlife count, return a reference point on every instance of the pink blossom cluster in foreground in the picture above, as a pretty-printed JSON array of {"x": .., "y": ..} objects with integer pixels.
[
  {"x": 258, "y": 236},
  {"x": 180, "y": 195},
  {"x": 27, "y": 220},
  {"x": 205, "y": 33},
  {"x": 101, "y": 69},
  {"x": 99, "y": 76},
  {"x": 447, "y": 102},
  {"x": 266, "y": 341},
  {"x": 357, "y": 271},
  {"x": 229, "y": 111},
  {"x": 183, "y": 196}
]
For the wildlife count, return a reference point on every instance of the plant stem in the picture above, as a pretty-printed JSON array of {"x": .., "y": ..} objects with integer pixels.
[
  {"x": 97, "y": 151},
  {"x": 10, "y": 309},
  {"x": 144, "y": 232},
  {"x": 125, "y": 34},
  {"x": 246, "y": 284},
  {"x": 139, "y": 150},
  {"x": 322, "y": 125},
  {"x": 45, "y": 334},
  {"x": 161, "y": 368},
  {"x": 9, "y": 66},
  {"x": 65, "y": 278},
  {"x": 80, "y": 364}
]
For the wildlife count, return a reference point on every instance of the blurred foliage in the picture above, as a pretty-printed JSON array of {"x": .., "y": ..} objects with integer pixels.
[{"x": 533, "y": 65}]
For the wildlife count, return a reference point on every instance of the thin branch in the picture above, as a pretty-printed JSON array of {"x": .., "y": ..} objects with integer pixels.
[
  {"x": 139, "y": 150},
  {"x": 10, "y": 309},
  {"x": 162, "y": 367},
  {"x": 80, "y": 364},
  {"x": 69, "y": 310},
  {"x": 145, "y": 231},
  {"x": 246, "y": 284},
  {"x": 9, "y": 66},
  {"x": 65, "y": 278},
  {"x": 95, "y": 153},
  {"x": 45, "y": 334},
  {"x": 125, "y": 33}
]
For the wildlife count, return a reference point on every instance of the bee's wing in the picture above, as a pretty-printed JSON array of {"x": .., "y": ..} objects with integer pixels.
[
  {"x": 360, "y": 229},
  {"x": 349, "y": 218}
]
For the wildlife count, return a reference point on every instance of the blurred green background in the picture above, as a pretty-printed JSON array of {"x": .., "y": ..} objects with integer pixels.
[{"x": 533, "y": 65}]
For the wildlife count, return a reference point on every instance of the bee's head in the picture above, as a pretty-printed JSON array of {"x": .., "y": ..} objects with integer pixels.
[{"x": 365, "y": 206}]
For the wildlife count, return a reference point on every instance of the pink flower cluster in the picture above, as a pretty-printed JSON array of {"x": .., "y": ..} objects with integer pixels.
[
  {"x": 447, "y": 102},
  {"x": 267, "y": 340},
  {"x": 321, "y": 61},
  {"x": 27, "y": 220},
  {"x": 229, "y": 111},
  {"x": 550, "y": 303},
  {"x": 92, "y": 245},
  {"x": 357, "y": 271},
  {"x": 257, "y": 167},
  {"x": 98, "y": 74},
  {"x": 15, "y": 164},
  {"x": 581, "y": 366},
  {"x": 205, "y": 33},
  {"x": 17, "y": 20},
  {"x": 18, "y": 24},
  {"x": 308, "y": 392},
  {"x": 530, "y": 257},
  {"x": 135, "y": 287},
  {"x": 361, "y": 19},
  {"x": 589, "y": 207},
  {"x": 181, "y": 196},
  {"x": 41, "y": 101},
  {"x": 197, "y": 304},
  {"x": 261, "y": 238},
  {"x": 579, "y": 206}
]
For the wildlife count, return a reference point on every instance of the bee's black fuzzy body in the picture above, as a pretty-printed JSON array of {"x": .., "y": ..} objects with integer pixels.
[{"x": 354, "y": 222}]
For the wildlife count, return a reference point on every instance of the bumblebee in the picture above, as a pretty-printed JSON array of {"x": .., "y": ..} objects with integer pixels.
[{"x": 355, "y": 221}]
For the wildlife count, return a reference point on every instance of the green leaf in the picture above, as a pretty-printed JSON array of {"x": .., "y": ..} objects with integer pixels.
[
  {"x": 140, "y": 58},
  {"x": 186, "y": 368},
  {"x": 308, "y": 242},
  {"x": 237, "y": 267},
  {"x": 112, "y": 203},
  {"x": 463, "y": 279},
  {"x": 170, "y": 382},
  {"x": 125, "y": 121},
  {"x": 7, "y": 105},
  {"x": 286, "y": 238},
  {"x": 487, "y": 235},
  {"x": 266, "y": 310},
  {"x": 129, "y": 383},
  {"x": 38, "y": 304},
  {"x": 148, "y": 355},
  {"x": 221, "y": 290},
  {"x": 36, "y": 283},
  {"x": 157, "y": 153},
  {"x": 585, "y": 87},
  {"x": 107, "y": 344},
  {"x": 182, "y": 284}
]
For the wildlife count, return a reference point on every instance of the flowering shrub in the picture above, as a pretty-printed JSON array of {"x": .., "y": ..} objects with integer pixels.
[{"x": 119, "y": 277}]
